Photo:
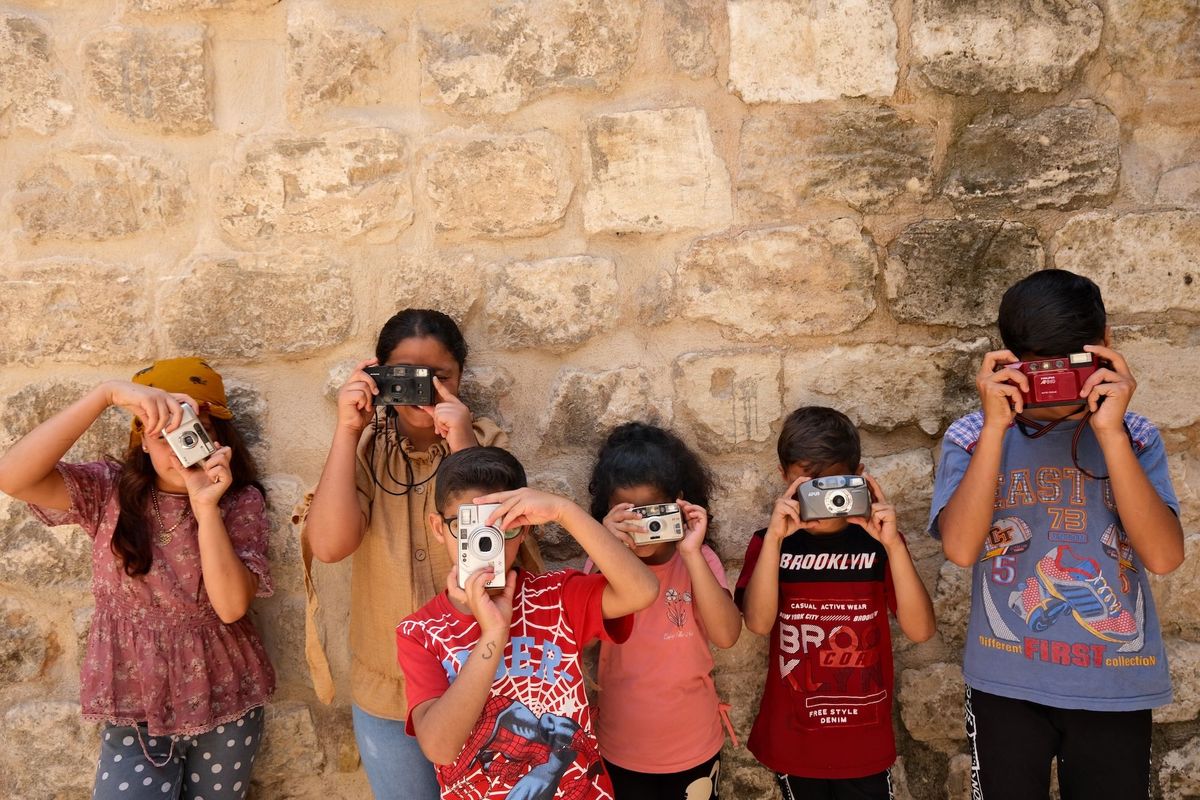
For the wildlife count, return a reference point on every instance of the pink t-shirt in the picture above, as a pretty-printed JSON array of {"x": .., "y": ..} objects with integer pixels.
[
  {"x": 157, "y": 651},
  {"x": 657, "y": 706}
]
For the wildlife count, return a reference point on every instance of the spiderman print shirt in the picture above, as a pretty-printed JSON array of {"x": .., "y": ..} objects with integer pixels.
[
  {"x": 1061, "y": 611},
  {"x": 534, "y": 739}
]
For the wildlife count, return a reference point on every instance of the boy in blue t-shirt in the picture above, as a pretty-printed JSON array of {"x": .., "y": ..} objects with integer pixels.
[{"x": 1064, "y": 656}]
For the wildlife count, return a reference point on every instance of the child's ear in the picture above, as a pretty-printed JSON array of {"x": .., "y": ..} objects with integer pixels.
[
  {"x": 861, "y": 468},
  {"x": 782, "y": 474},
  {"x": 1108, "y": 336},
  {"x": 436, "y": 525}
]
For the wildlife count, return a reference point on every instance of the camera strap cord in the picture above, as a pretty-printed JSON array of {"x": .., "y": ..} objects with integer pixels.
[
  {"x": 1039, "y": 429},
  {"x": 391, "y": 425}
]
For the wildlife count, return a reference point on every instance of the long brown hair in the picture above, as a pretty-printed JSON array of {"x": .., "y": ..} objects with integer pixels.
[{"x": 131, "y": 540}]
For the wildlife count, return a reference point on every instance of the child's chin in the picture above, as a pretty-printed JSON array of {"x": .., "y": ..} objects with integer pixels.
[{"x": 829, "y": 526}]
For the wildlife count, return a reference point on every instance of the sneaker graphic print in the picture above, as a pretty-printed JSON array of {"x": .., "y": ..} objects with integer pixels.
[{"x": 1079, "y": 583}]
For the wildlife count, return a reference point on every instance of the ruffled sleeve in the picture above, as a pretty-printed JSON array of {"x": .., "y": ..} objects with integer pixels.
[
  {"x": 250, "y": 532},
  {"x": 89, "y": 486}
]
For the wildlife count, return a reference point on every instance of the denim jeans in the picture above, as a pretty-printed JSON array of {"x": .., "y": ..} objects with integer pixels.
[{"x": 395, "y": 765}]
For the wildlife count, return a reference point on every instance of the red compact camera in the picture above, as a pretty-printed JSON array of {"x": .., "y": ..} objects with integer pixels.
[{"x": 1056, "y": 381}]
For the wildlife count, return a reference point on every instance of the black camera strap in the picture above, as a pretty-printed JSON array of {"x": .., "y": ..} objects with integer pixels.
[
  {"x": 391, "y": 442},
  {"x": 1035, "y": 430}
]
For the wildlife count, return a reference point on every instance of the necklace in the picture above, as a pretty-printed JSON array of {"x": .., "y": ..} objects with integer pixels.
[{"x": 165, "y": 534}]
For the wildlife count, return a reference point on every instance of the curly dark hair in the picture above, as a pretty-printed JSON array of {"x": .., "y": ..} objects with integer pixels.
[{"x": 638, "y": 454}]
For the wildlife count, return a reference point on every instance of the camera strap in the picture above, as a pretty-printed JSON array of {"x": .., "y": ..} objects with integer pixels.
[
  {"x": 1040, "y": 429},
  {"x": 391, "y": 443}
]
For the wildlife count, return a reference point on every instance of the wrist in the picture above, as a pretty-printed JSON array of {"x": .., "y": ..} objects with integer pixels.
[
  {"x": 103, "y": 392},
  {"x": 1109, "y": 438},
  {"x": 205, "y": 510}
]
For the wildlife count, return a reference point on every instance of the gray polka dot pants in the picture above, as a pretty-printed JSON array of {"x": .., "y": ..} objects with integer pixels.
[{"x": 214, "y": 765}]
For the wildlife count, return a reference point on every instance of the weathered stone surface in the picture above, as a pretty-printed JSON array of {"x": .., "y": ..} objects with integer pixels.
[
  {"x": 1185, "y": 477},
  {"x": 1179, "y": 187},
  {"x": 527, "y": 49},
  {"x": 483, "y": 389},
  {"x": 741, "y": 505},
  {"x": 31, "y": 96},
  {"x": 332, "y": 60},
  {"x": 1177, "y": 773},
  {"x": 556, "y": 545},
  {"x": 500, "y": 185},
  {"x": 814, "y": 279},
  {"x": 27, "y": 646},
  {"x": 925, "y": 386},
  {"x": 929, "y": 701},
  {"x": 292, "y": 305},
  {"x": 798, "y": 52},
  {"x": 584, "y": 406},
  {"x": 1062, "y": 157},
  {"x": 26, "y": 408},
  {"x": 689, "y": 35},
  {"x": 1143, "y": 262},
  {"x": 280, "y": 620},
  {"x": 1183, "y": 657},
  {"x": 290, "y": 743},
  {"x": 1164, "y": 367},
  {"x": 284, "y": 492},
  {"x": 554, "y": 304},
  {"x": 730, "y": 400},
  {"x": 907, "y": 480},
  {"x": 653, "y": 171},
  {"x": 249, "y": 408},
  {"x": 1155, "y": 39},
  {"x": 95, "y": 193},
  {"x": 952, "y": 604},
  {"x": 81, "y": 621},
  {"x": 1009, "y": 46},
  {"x": 958, "y": 782},
  {"x": 155, "y": 79},
  {"x": 1177, "y": 595},
  {"x": 98, "y": 311},
  {"x": 65, "y": 761},
  {"x": 171, "y": 6},
  {"x": 448, "y": 281},
  {"x": 346, "y": 183},
  {"x": 33, "y": 555},
  {"x": 954, "y": 271},
  {"x": 864, "y": 156}
]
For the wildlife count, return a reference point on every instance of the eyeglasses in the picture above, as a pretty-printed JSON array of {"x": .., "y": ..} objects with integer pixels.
[{"x": 452, "y": 524}]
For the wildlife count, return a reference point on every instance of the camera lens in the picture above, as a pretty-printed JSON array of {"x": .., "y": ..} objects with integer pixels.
[
  {"x": 188, "y": 440},
  {"x": 838, "y": 500},
  {"x": 484, "y": 545},
  {"x": 655, "y": 526}
]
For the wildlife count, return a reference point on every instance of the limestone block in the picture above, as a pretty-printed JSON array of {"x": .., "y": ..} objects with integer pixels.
[
  {"x": 1177, "y": 595},
  {"x": 249, "y": 408},
  {"x": 654, "y": 171},
  {"x": 96, "y": 193},
  {"x": 931, "y": 702},
  {"x": 1061, "y": 157},
  {"x": 1177, "y": 773},
  {"x": 689, "y": 35},
  {"x": 730, "y": 400},
  {"x": 1151, "y": 39},
  {"x": 37, "y": 766},
  {"x": 741, "y": 505},
  {"x": 175, "y": 6},
  {"x": 484, "y": 388},
  {"x": 284, "y": 493},
  {"x": 923, "y": 386},
  {"x": 526, "y": 49},
  {"x": 290, "y": 743},
  {"x": 798, "y": 51},
  {"x": 1143, "y": 262},
  {"x": 958, "y": 782},
  {"x": 332, "y": 60},
  {"x": 584, "y": 406},
  {"x": 1183, "y": 657},
  {"x": 346, "y": 183},
  {"x": 954, "y": 271},
  {"x": 27, "y": 645},
  {"x": 804, "y": 280},
  {"x": 653, "y": 299},
  {"x": 553, "y": 304},
  {"x": 1163, "y": 368},
  {"x": 1185, "y": 477},
  {"x": 290, "y": 304},
  {"x": 907, "y": 480},
  {"x": 280, "y": 620},
  {"x": 451, "y": 282},
  {"x": 31, "y": 95},
  {"x": 864, "y": 156},
  {"x": 500, "y": 186},
  {"x": 29, "y": 406},
  {"x": 81, "y": 622},
  {"x": 33, "y": 555},
  {"x": 952, "y": 604},
  {"x": 1009, "y": 46},
  {"x": 554, "y": 543},
  {"x": 155, "y": 79},
  {"x": 73, "y": 310},
  {"x": 1179, "y": 187}
]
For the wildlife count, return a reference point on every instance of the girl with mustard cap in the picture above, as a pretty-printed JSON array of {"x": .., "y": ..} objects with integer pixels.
[{"x": 174, "y": 669}]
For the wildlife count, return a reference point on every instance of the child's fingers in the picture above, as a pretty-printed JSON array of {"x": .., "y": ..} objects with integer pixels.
[
  {"x": 876, "y": 489},
  {"x": 993, "y": 360},
  {"x": 795, "y": 485},
  {"x": 1118, "y": 362}
]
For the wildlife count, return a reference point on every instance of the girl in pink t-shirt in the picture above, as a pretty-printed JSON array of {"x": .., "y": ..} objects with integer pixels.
[
  {"x": 658, "y": 720},
  {"x": 174, "y": 669}
]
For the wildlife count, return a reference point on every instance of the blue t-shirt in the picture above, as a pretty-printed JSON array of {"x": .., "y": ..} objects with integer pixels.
[{"x": 1061, "y": 610}]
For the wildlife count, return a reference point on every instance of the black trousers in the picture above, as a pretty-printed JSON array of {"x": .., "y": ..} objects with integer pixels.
[
  {"x": 698, "y": 783},
  {"x": 869, "y": 787}
]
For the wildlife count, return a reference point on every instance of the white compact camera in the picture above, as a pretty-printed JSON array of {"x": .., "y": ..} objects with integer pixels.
[
  {"x": 479, "y": 545},
  {"x": 190, "y": 441},
  {"x": 834, "y": 496},
  {"x": 662, "y": 522}
]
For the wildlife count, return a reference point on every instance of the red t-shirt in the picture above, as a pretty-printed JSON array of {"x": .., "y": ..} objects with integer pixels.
[
  {"x": 536, "y": 728},
  {"x": 826, "y": 709}
]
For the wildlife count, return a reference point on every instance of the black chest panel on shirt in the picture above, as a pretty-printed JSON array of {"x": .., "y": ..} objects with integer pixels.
[{"x": 850, "y": 555}]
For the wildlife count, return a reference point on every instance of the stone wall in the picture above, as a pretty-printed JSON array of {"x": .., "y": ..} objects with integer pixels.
[{"x": 701, "y": 212}]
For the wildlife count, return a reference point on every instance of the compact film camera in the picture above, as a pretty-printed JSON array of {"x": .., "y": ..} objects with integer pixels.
[
  {"x": 190, "y": 442},
  {"x": 402, "y": 384},
  {"x": 662, "y": 522},
  {"x": 1056, "y": 381},
  {"x": 479, "y": 545},
  {"x": 834, "y": 496}
]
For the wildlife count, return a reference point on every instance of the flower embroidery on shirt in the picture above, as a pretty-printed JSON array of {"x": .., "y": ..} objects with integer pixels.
[{"x": 677, "y": 605}]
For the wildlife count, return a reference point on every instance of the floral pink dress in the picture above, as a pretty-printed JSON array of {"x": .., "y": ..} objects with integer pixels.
[{"x": 157, "y": 652}]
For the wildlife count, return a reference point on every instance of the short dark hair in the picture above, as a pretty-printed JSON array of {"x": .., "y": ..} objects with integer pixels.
[
  {"x": 637, "y": 454},
  {"x": 819, "y": 437},
  {"x": 484, "y": 469},
  {"x": 421, "y": 322},
  {"x": 1051, "y": 313}
]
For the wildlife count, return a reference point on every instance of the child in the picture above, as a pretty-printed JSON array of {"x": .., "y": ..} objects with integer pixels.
[
  {"x": 373, "y": 498},
  {"x": 657, "y": 719},
  {"x": 821, "y": 590},
  {"x": 173, "y": 666},
  {"x": 494, "y": 682},
  {"x": 1064, "y": 658}
]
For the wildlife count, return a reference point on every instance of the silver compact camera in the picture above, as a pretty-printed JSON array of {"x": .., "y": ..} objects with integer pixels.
[
  {"x": 662, "y": 522},
  {"x": 479, "y": 545},
  {"x": 190, "y": 441},
  {"x": 834, "y": 496}
]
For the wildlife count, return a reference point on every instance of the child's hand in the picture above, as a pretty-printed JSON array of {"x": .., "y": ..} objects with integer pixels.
[
  {"x": 619, "y": 522},
  {"x": 451, "y": 419},
  {"x": 206, "y": 482},
  {"x": 157, "y": 410},
  {"x": 492, "y": 612},
  {"x": 696, "y": 526},
  {"x": 785, "y": 517},
  {"x": 1114, "y": 385},
  {"x": 1000, "y": 390},
  {"x": 881, "y": 525},
  {"x": 525, "y": 507},
  {"x": 355, "y": 400}
]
